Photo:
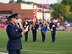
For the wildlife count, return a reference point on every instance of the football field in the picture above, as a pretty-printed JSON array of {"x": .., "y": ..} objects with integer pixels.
[{"x": 63, "y": 44}]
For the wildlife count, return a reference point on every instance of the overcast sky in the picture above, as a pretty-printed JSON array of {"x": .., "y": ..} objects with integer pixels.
[{"x": 37, "y": 1}]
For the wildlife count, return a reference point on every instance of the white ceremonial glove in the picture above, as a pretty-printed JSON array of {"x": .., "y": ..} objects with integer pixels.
[{"x": 51, "y": 29}]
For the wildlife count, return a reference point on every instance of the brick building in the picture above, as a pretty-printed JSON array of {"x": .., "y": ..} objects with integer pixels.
[
  {"x": 25, "y": 10},
  {"x": 7, "y": 9}
]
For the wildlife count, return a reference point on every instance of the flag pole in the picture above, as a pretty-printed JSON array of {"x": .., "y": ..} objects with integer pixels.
[
  {"x": 33, "y": 9},
  {"x": 42, "y": 12}
]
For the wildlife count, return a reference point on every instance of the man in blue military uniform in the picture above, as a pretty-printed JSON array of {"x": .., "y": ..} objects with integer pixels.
[
  {"x": 53, "y": 30},
  {"x": 34, "y": 30},
  {"x": 14, "y": 45}
]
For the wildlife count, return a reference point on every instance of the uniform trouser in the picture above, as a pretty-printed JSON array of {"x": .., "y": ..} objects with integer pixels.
[
  {"x": 43, "y": 36},
  {"x": 34, "y": 35},
  {"x": 14, "y": 52},
  {"x": 26, "y": 36},
  {"x": 53, "y": 35}
]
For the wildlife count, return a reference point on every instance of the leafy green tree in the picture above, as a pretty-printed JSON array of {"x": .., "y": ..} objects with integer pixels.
[
  {"x": 63, "y": 9},
  {"x": 19, "y": 1},
  {"x": 68, "y": 4},
  {"x": 11, "y": 1},
  {"x": 59, "y": 10}
]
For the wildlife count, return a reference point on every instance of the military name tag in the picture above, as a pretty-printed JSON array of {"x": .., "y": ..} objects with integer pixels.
[
  {"x": 16, "y": 30},
  {"x": 33, "y": 28}
]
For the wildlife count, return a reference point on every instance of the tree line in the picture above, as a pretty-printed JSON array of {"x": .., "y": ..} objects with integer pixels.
[{"x": 62, "y": 10}]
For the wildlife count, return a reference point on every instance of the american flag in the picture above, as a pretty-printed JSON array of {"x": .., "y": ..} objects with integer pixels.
[{"x": 34, "y": 13}]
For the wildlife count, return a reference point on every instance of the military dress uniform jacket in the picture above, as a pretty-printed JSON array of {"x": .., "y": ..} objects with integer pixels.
[
  {"x": 35, "y": 27},
  {"x": 25, "y": 24},
  {"x": 53, "y": 27},
  {"x": 14, "y": 35}
]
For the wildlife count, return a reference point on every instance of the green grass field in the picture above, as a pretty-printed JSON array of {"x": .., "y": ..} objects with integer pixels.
[{"x": 63, "y": 44}]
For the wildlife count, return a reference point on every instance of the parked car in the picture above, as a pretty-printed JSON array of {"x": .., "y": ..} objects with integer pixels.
[
  {"x": 70, "y": 24},
  {"x": 61, "y": 28}
]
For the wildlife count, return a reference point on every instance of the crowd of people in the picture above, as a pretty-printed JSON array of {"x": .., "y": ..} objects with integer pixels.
[
  {"x": 17, "y": 27},
  {"x": 35, "y": 25}
]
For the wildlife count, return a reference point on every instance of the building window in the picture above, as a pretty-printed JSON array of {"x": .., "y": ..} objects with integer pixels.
[{"x": 5, "y": 12}]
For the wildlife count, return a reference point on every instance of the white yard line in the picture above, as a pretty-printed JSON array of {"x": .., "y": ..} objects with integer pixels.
[
  {"x": 41, "y": 51},
  {"x": 3, "y": 53},
  {"x": 47, "y": 51}
]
